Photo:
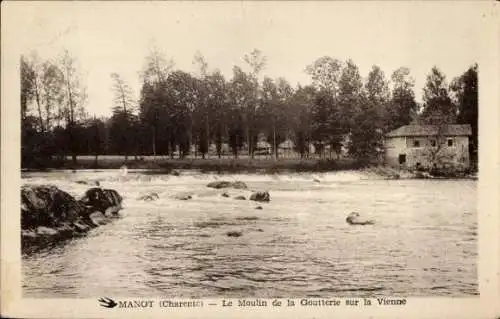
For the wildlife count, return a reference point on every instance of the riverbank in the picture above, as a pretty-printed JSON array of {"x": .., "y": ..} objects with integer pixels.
[
  {"x": 245, "y": 165},
  {"x": 226, "y": 164},
  {"x": 387, "y": 172}
]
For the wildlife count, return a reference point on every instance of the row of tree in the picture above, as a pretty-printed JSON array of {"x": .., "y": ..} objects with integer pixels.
[{"x": 177, "y": 110}]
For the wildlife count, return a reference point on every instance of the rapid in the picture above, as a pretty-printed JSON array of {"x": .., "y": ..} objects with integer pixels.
[{"x": 424, "y": 241}]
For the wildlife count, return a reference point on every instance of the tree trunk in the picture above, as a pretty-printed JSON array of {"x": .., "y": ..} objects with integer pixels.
[
  {"x": 275, "y": 149},
  {"x": 37, "y": 97},
  {"x": 154, "y": 142},
  {"x": 71, "y": 120},
  {"x": 249, "y": 142},
  {"x": 208, "y": 137}
]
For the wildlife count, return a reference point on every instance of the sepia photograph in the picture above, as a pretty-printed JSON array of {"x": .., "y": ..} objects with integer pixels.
[{"x": 248, "y": 151}]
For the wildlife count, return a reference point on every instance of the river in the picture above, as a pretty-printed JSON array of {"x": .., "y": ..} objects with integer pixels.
[{"x": 424, "y": 242}]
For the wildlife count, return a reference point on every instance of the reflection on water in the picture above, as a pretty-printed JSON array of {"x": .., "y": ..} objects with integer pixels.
[{"x": 424, "y": 241}]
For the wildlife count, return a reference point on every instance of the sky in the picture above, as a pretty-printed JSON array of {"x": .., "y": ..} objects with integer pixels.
[{"x": 117, "y": 36}]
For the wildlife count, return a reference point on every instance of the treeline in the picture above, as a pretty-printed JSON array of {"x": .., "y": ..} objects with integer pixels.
[{"x": 178, "y": 112}]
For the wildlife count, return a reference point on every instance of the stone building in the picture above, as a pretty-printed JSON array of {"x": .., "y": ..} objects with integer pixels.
[{"x": 428, "y": 146}]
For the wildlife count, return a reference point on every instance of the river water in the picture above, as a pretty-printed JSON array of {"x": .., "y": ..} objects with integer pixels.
[{"x": 424, "y": 242}]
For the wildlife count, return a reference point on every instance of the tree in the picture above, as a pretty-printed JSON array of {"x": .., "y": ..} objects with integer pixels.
[
  {"x": 367, "y": 133},
  {"x": 95, "y": 135},
  {"x": 357, "y": 111},
  {"x": 271, "y": 112},
  {"x": 202, "y": 116},
  {"x": 52, "y": 93},
  {"x": 325, "y": 73},
  {"x": 301, "y": 104},
  {"x": 37, "y": 87},
  {"x": 27, "y": 85},
  {"x": 402, "y": 108},
  {"x": 75, "y": 98},
  {"x": 284, "y": 116},
  {"x": 218, "y": 106},
  {"x": 154, "y": 102},
  {"x": 183, "y": 96},
  {"x": 349, "y": 94},
  {"x": 123, "y": 108},
  {"x": 465, "y": 89},
  {"x": 257, "y": 62},
  {"x": 28, "y": 122},
  {"x": 436, "y": 153},
  {"x": 436, "y": 96},
  {"x": 243, "y": 97},
  {"x": 157, "y": 67},
  {"x": 377, "y": 87},
  {"x": 326, "y": 128}
]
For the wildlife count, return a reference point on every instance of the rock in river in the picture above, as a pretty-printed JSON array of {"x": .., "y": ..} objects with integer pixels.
[
  {"x": 240, "y": 197},
  {"x": 227, "y": 184},
  {"x": 151, "y": 196},
  {"x": 49, "y": 214},
  {"x": 355, "y": 219},
  {"x": 260, "y": 197},
  {"x": 184, "y": 197},
  {"x": 107, "y": 201},
  {"x": 234, "y": 233}
]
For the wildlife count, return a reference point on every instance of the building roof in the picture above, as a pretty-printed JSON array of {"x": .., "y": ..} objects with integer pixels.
[{"x": 431, "y": 130}]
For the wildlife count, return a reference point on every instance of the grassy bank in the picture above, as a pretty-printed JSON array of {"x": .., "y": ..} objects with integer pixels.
[
  {"x": 230, "y": 165},
  {"x": 243, "y": 164}
]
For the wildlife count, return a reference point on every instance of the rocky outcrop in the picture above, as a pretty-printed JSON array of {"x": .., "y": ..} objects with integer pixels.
[
  {"x": 240, "y": 197},
  {"x": 49, "y": 214},
  {"x": 260, "y": 197},
  {"x": 227, "y": 184},
  {"x": 107, "y": 201},
  {"x": 355, "y": 219}
]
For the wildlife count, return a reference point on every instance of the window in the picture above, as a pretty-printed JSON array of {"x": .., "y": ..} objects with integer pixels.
[
  {"x": 433, "y": 143},
  {"x": 402, "y": 158},
  {"x": 450, "y": 142},
  {"x": 416, "y": 143}
]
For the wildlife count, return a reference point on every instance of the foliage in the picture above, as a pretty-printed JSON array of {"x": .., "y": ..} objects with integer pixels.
[
  {"x": 465, "y": 89},
  {"x": 325, "y": 73},
  {"x": 181, "y": 114},
  {"x": 402, "y": 107},
  {"x": 437, "y": 101}
]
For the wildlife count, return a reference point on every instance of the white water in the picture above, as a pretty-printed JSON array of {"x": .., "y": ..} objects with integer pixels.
[{"x": 423, "y": 243}]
